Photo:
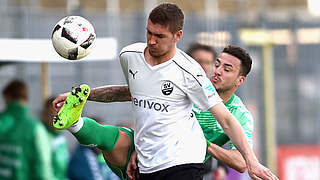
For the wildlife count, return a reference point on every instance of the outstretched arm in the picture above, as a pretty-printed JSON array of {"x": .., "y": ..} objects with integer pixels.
[
  {"x": 233, "y": 129},
  {"x": 109, "y": 93},
  {"x": 231, "y": 158}
]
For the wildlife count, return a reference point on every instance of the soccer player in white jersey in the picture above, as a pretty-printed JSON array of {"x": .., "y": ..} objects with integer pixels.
[{"x": 164, "y": 82}]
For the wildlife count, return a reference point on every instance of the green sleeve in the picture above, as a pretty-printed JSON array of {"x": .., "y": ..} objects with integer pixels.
[{"x": 42, "y": 168}]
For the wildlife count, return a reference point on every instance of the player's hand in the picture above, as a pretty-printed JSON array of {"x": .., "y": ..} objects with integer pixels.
[
  {"x": 257, "y": 171},
  {"x": 59, "y": 101},
  {"x": 132, "y": 168}
]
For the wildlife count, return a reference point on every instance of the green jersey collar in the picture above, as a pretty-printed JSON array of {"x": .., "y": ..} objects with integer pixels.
[
  {"x": 230, "y": 100},
  {"x": 17, "y": 108}
]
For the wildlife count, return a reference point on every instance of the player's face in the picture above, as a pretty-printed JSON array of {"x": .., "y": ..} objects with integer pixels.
[
  {"x": 226, "y": 73},
  {"x": 205, "y": 59},
  {"x": 160, "y": 40}
]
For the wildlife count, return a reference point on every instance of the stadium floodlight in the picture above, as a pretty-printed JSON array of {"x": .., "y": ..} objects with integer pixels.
[{"x": 314, "y": 7}]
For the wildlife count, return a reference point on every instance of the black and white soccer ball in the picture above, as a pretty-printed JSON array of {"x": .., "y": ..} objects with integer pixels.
[{"x": 73, "y": 37}]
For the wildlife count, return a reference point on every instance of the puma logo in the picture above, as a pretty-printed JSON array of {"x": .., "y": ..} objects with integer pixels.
[{"x": 133, "y": 73}]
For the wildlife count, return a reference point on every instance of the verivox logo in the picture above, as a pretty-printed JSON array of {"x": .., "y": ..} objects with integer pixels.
[{"x": 150, "y": 105}]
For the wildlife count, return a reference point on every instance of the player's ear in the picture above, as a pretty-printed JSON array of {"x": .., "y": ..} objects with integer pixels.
[
  {"x": 178, "y": 35},
  {"x": 240, "y": 80}
]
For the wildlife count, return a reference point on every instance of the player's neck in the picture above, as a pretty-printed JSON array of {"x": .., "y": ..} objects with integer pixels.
[
  {"x": 226, "y": 96},
  {"x": 153, "y": 61}
]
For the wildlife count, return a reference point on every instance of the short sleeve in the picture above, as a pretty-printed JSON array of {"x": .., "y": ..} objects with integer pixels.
[
  {"x": 124, "y": 65},
  {"x": 201, "y": 92}
]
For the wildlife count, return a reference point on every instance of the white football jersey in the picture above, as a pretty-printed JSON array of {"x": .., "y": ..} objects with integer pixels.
[{"x": 166, "y": 131}]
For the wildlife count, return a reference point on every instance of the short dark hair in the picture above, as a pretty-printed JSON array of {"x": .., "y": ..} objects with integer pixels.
[
  {"x": 197, "y": 46},
  {"x": 168, "y": 14},
  {"x": 242, "y": 55},
  {"x": 48, "y": 102},
  {"x": 16, "y": 90}
]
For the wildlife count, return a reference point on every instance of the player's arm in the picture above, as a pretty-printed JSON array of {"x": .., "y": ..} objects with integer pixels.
[
  {"x": 233, "y": 129},
  {"x": 231, "y": 158},
  {"x": 132, "y": 168},
  {"x": 109, "y": 93}
]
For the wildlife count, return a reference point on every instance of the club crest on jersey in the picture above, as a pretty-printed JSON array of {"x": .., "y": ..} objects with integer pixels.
[{"x": 167, "y": 88}]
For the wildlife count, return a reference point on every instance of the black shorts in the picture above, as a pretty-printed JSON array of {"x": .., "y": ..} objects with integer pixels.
[{"x": 181, "y": 172}]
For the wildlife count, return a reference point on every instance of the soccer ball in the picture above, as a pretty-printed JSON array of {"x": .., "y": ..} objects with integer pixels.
[{"x": 73, "y": 37}]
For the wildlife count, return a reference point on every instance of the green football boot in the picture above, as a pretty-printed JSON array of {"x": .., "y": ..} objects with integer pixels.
[{"x": 72, "y": 107}]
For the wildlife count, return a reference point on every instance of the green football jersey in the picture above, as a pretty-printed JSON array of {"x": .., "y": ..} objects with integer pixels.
[
  {"x": 212, "y": 129},
  {"x": 24, "y": 148},
  {"x": 60, "y": 154}
]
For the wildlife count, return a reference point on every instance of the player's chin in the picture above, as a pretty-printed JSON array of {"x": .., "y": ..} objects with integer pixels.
[
  {"x": 217, "y": 87},
  {"x": 155, "y": 53}
]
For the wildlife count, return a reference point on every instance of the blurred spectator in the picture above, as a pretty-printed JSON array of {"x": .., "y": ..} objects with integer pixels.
[
  {"x": 24, "y": 152},
  {"x": 204, "y": 55},
  {"x": 58, "y": 143},
  {"x": 87, "y": 163},
  {"x": 221, "y": 172}
]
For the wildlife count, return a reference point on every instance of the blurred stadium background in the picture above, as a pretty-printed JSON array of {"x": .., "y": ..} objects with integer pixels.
[{"x": 283, "y": 37}]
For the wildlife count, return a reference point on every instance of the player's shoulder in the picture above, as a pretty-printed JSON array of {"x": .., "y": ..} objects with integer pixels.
[
  {"x": 133, "y": 48},
  {"x": 7, "y": 122},
  {"x": 239, "y": 109},
  {"x": 188, "y": 64},
  {"x": 237, "y": 103}
]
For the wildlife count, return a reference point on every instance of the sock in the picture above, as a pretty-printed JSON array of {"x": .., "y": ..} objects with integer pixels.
[
  {"x": 105, "y": 137},
  {"x": 76, "y": 126}
]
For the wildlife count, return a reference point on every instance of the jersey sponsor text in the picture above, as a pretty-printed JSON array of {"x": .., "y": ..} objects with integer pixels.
[{"x": 151, "y": 105}]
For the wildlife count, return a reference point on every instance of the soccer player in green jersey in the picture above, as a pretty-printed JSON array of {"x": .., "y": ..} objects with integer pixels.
[
  {"x": 228, "y": 73},
  {"x": 24, "y": 142}
]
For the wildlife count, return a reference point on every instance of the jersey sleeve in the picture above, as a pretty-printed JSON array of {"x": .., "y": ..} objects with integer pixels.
[
  {"x": 124, "y": 65},
  {"x": 201, "y": 91},
  {"x": 125, "y": 54},
  {"x": 246, "y": 122},
  {"x": 42, "y": 158}
]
